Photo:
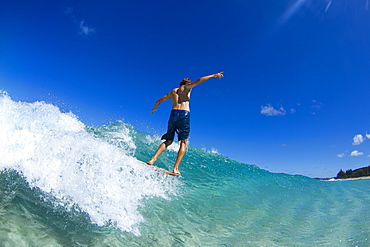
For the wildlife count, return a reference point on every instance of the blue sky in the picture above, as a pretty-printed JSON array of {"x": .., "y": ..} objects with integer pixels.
[{"x": 293, "y": 100}]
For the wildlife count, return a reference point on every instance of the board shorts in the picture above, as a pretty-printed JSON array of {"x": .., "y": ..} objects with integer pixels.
[{"x": 179, "y": 122}]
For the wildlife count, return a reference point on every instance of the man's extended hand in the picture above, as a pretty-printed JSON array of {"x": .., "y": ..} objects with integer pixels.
[
  {"x": 153, "y": 110},
  {"x": 219, "y": 75}
]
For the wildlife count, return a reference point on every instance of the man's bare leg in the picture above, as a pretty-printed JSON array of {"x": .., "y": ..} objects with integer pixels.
[
  {"x": 180, "y": 155},
  {"x": 160, "y": 150}
]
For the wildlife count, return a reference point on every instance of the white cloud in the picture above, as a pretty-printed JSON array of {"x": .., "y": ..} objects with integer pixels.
[
  {"x": 358, "y": 139},
  {"x": 69, "y": 11},
  {"x": 316, "y": 104},
  {"x": 357, "y": 153},
  {"x": 341, "y": 155},
  {"x": 368, "y": 136},
  {"x": 268, "y": 110},
  {"x": 86, "y": 30}
]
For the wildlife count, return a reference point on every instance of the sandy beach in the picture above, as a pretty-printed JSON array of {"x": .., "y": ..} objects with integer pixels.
[{"x": 367, "y": 177}]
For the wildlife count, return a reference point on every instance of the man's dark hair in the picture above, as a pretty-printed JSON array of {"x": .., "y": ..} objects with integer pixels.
[{"x": 185, "y": 81}]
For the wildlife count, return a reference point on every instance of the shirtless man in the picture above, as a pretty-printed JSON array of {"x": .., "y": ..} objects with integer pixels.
[{"x": 179, "y": 121}]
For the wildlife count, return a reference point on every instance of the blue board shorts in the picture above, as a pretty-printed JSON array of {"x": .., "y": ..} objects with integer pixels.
[{"x": 179, "y": 122}]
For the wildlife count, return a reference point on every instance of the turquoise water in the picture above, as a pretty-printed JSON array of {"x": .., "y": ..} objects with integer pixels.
[{"x": 65, "y": 184}]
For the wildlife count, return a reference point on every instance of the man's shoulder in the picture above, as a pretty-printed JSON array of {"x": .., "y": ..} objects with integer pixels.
[{"x": 185, "y": 88}]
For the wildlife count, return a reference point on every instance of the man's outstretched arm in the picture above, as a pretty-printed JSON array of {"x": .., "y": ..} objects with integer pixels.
[
  {"x": 203, "y": 79},
  {"x": 158, "y": 102}
]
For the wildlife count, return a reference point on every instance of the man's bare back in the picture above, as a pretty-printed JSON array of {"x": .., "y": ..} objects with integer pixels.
[{"x": 180, "y": 98}]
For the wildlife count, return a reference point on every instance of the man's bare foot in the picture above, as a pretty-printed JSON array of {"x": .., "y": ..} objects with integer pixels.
[
  {"x": 151, "y": 162},
  {"x": 177, "y": 172}
]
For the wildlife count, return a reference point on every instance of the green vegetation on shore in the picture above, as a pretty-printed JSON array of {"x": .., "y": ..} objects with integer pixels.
[{"x": 361, "y": 172}]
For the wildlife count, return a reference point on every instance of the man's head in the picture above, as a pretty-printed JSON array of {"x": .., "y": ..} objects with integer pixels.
[{"x": 185, "y": 81}]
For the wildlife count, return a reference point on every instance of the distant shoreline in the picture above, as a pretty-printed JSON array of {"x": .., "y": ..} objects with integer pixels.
[{"x": 339, "y": 179}]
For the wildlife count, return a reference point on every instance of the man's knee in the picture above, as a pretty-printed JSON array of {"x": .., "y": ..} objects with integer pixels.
[
  {"x": 168, "y": 142},
  {"x": 183, "y": 143}
]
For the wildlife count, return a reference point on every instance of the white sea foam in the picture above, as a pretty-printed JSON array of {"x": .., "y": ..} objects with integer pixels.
[
  {"x": 151, "y": 139},
  {"x": 174, "y": 147},
  {"x": 55, "y": 153}
]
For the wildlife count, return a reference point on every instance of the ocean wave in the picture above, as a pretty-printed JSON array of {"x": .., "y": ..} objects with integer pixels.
[
  {"x": 76, "y": 185},
  {"x": 55, "y": 152}
]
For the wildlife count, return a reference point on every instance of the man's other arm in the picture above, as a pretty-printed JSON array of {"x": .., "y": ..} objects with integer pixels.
[{"x": 158, "y": 102}]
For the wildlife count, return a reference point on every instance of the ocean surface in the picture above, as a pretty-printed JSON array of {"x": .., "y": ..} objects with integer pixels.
[{"x": 66, "y": 184}]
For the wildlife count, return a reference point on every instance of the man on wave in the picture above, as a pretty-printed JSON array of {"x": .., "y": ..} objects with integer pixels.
[{"x": 179, "y": 120}]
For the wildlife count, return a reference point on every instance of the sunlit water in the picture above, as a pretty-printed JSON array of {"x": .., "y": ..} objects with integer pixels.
[{"x": 65, "y": 184}]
